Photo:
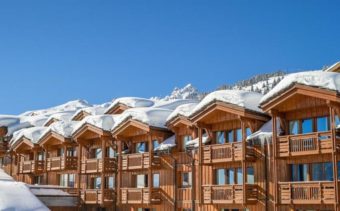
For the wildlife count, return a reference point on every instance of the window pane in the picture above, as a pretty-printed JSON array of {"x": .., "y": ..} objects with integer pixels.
[
  {"x": 220, "y": 137},
  {"x": 322, "y": 124},
  {"x": 230, "y": 136},
  {"x": 155, "y": 144},
  {"x": 186, "y": 179},
  {"x": 250, "y": 175},
  {"x": 328, "y": 171},
  {"x": 141, "y": 181},
  {"x": 338, "y": 170},
  {"x": 231, "y": 176},
  {"x": 248, "y": 131},
  {"x": 239, "y": 176},
  {"x": 156, "y": 180},
  {"x": 220, "y": 176},
  {"x": 111, "y": 153},
  {"x": 98, "y": 153},
  {"x": 293, "y": 127},
  {"x": 239, "y": 135},
  {"x": 71, "y": 180},
  {"x": 111, "y": 182},
  {"x": 97, "y": 182},
  {"x": 317, "y": 172},
  {"x": 185, "y": 141},
  {"x": 307, "y": 126},
  {"x": 141, "y": 147}
]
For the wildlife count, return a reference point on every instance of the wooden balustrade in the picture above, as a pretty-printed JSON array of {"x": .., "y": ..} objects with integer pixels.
[
  {"x": 140, "y": 196},
  {"x": 184, "y": 195},
  {"x": 229, "y": 194},
  {"x": 59, "y": 163},
  {"x": 31, "y": 167},
  {"x": 321, "y": 192},
  {"x": 96, "y": 196},
  {"x": 228, "y": 152},
  {"x": 304, "y": 144},
  {"x": 138, "y": 161},
  {"x": 98, "y": 165}
]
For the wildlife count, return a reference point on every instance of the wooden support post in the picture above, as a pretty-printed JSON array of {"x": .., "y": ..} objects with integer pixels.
[
  {"x": 150, "y": 179},
  {"x": 200, "y": 165},
  {"x": 102, "y": 175},
  {"x": 119, "y": 169},
  {"x": 80, "y": 155},
  {"x": 275, "y": 167},
  {"x": 334, "y": 156},
  {"x": 65, "y": 158},
  {"x": 244, "y": 162}
]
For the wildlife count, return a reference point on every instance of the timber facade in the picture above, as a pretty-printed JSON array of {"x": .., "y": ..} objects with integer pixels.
[{"x": 297, "y": 169}]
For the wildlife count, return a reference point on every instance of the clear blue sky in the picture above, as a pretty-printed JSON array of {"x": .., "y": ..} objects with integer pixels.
[{"x": 55, "y": 51}]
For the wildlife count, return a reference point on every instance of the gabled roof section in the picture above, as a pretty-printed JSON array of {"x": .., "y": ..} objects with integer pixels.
[
  {"x": 334, "y": 68},
  {"x": 32, "y": 134},
  {"x": 181, "y": 115},
  {"x": 318, "y": 79},
  {"x": 121, "y": 104}
]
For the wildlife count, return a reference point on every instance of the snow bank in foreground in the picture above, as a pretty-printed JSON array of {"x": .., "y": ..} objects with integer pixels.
[
  {"x": 245, "y": 99},
  {"x": 326, "y": 80},
  {"x": 16, "y": 196}
]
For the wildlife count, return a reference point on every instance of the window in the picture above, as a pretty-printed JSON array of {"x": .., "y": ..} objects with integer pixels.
[
  {"x": 186, "y": 179},
  {"x": 231, "y": 176},
  {"x": 322, "y": 171},
  {"x": 71, "y": 152},
  {"x": 220, "y": 139},
  {"x": 299, "y": 172},
  {"x": 220, "y": 176},
  {"x": 185, "y": 141},
  {"x": 337, "y": 120},
  {"x": 141, "y": 147},
  {"x": 307, "y": 126},
  {"x": 98, "y": 153},
  {"x": 239, "y": 176},
  {"x": 250, "y": 175},
  {"x": 60, "y": 152},
  {"x": 110, "y": 182},
  {"x": 248, "y": 131},
  {"x": 41, "y": 156},
  {"x": 67, "y": 180},
  {"x": 97, "y": 181},
  {"x": 110, "y": 152},
  {"x": 155, "y": 144},
  {"x": 322, "y": 124},
  {"x": 230, "y": 136},
  {"x": 142, "y": 181},
  {"x": 155, "y": 180},
  {"x": 239, "y": 135},
  {"x": 293, "y": 127},
  {"x": 38, "y": 180}
]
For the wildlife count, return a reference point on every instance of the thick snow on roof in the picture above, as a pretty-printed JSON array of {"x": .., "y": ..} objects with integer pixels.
[
  {"x": 194, "y": 142},
  {"x": 93, "y": 110},
  {"x": 325, "y": 80},
  {"x": 16, "y": 196},
  {"x": 245, "y": 99},
  {"x": 62, "y": 116},
  {"x": 69, "y": 106},
  {"x": 104, "y": 122},
  {"x": 172, "y": 104},
  {"x": 333, "y": 67},
  {"x": 32, "y": 133},
  {"x": 132, "y": 102},
  {"x": 62, "y": 128},
  {"x": 183, "y": 110},
  {"x": 265, "y": 132},
  {"x": 167, "y": 144},
  {"x": 151, "y": 116}
]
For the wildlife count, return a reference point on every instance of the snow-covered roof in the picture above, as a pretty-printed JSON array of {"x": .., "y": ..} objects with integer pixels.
[
  {"x": 93, "y": 110},
  {"x": 167, "y": 144},
  {"x": 325, "y": 80},
  {"x": 62, "y": 116},
  {"x": 245, "y": 99},
  {"x": 194, "y": 142},
  {"x": 173, "y": 104},
  {"x": 265, "y": 133},
  {"x": 17, "y": 196},
  {"x": 183, "y": 110},
  {"x": 63, "y": 128},
  {"x": 132, "y": 102},
  {"x": 155, "y": 117},
  {"x": 335, "y": 66},
  {"x": 104, "y": 122},
  {"x": 33, "y": 134}
]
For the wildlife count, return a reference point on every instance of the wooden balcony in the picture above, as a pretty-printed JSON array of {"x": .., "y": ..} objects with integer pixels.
[
  {"x": 95, "y": 165},
  {"x": 31, "y": 167},
  {"x": 304, "y": 144},
  {"x": 140, "y": 196},
  {"x": 307, "y": 192},
  {"x": 138, "y": 161},
  {"x": 184, "y": 195},
  {"x": 229, "y": 194},
  {"x": 60, "y": 163},
  {"x": 95, "y": 196},
  {"x": 229, "y": 152}
]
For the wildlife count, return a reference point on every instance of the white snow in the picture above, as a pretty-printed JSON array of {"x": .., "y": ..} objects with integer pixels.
[
  {"x": 183, "y": 110},
  {"x": 187, "y": 92},
  {"x": 333, "y": 67},
  {"x": 245, "y": 99},
  {"x": 172, "y": 104},
  {"x": 16, "y": 196},
  {"x": 62, "y": 128},
  {"x": 151, "y": 116},
  {"x": 93, "y": 110},
  {"x": 265, "y": 132},
  {"x": 104, "y": 122},
  {"x": 325, "y": 80},
  {"x": 167, "y": 144},
  {"x": 194, "y": 142},
  {"x": 63, "y": 116},
  {"x": 33, "y": 134},
  {"x": 132, "y": 102}
]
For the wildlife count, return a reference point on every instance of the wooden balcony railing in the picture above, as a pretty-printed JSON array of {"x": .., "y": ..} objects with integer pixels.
[
  {"x": 304, "y": 144},
  {"x": 138, "y": 161},
  {"x": 95, "y": 196},
  {"x": 31, "y": 166},
  {"x": 140, "y": 196},
  {"x": 322, "y": 192},
  {"x": 59, "y": 163},
  {"x": 96, "y": 165},
  {"x": 184, "y": 195},
  {"x": 228, "y": 152},
  {"x": 229, "y": 194}
]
